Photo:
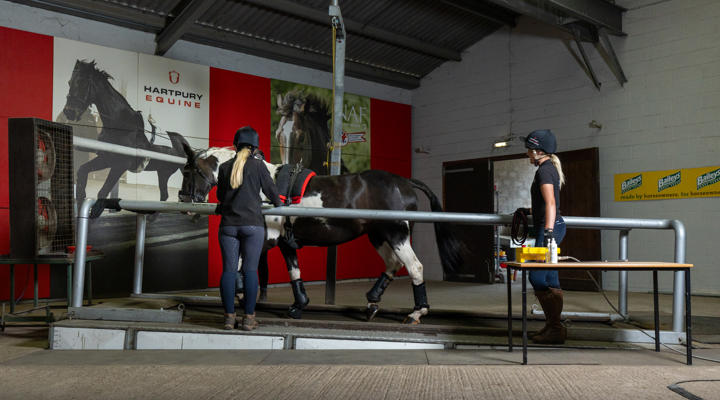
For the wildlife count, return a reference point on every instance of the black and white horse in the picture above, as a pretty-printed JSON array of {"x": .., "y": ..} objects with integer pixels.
[
  {"x": 121, "y": 125},
  {"x": 373, "y": 189}
]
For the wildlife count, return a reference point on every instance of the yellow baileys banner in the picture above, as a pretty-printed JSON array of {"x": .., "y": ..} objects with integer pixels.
[{"x": 681, "y": 183}]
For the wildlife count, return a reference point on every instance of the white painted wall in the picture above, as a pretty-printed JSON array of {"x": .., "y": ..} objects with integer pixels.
[
  {"x": 45, "y": 22},
  {"x": 667, "y": 116}
]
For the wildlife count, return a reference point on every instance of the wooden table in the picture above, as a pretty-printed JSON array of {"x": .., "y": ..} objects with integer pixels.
[
  {"x": 62, "y": 259},
  {"x": 605, "y": 266}
]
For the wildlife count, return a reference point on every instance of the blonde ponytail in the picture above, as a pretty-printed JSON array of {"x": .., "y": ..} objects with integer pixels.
[
  {"x": 556, "y": 162},
  {"x": 236, "y": 177}
]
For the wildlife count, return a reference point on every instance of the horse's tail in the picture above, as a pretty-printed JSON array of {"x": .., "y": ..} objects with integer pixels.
[{"x": 449, "y": 246}]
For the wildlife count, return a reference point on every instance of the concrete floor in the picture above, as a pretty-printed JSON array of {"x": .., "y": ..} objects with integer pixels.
[{"x": 572, "y": 371}]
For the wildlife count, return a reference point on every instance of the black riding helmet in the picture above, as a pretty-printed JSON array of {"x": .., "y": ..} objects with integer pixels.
[
  {"x": 246, "y": 136},
  {"x": 542, "y": 139}
]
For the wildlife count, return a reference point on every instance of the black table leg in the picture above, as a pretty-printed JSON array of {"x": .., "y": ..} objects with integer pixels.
[
  {"x": 69, "y": 283},
  {"x": 35, "y": 297},
  {"x": 12, "y": 288},
  {"x": 524, "y": 317},
  {"x": 509, "y": 299},
  {"x": 688, "y": 317},
  {"x": 656, "y": 311}
]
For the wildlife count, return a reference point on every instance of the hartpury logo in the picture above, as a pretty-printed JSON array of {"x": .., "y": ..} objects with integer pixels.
[{"x": 174, "y": 77}]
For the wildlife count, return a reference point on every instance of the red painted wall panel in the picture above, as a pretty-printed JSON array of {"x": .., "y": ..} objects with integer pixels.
[
  {"x": 26, "y": 64},
  {"x": 390, "y": 127},
  {"x": 236, "y": 100}
]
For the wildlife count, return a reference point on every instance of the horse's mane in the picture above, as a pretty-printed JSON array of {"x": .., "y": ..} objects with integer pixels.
[
  {"x": 314, "y": 104},
  {"x": 218, "y": 152},
  {"x": 92, "y": 64},
  {"x": 318, "y": 105}
]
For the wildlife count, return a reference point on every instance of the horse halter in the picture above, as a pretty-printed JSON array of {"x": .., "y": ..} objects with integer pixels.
[
  {"x": 79, "y": 109},
  {"x": 210, "y": 181}
]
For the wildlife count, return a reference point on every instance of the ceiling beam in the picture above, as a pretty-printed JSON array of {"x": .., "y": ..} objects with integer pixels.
[
  {"x": 321, "y": 17},
  {"x": 103, "y": 12},
  {"x": 262, "y": 48},
  {"x": 181, "y": 24},
  {"x": 487, "y": 11},
  {"x": 595, "y": 12},
  {"x": 599, "y": 13}
]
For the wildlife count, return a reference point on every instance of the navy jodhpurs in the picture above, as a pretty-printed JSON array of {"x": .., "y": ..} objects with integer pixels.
[{"x": 235, "y": 241}]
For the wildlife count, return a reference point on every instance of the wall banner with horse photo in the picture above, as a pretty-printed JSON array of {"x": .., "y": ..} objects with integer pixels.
[
  {"x": 301, "y": 120},
  {"x": 130, "y": 101},
  {"x": 133, "y": 116}
]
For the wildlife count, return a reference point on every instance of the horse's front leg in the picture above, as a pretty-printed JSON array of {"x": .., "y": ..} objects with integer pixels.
[
  {"x": 95, "y": 164},
  {"x": 301, "y": 298},
  {"x": 263, "y": 274},
  {"x": 112, "y": 178},
  {"x": 164, "y": 175}
]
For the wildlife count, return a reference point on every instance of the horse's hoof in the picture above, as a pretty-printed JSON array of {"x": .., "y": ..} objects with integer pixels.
[
  {"x": 295, "y": 313},
  {"x": 411, "y": 321},
  {"x": 371, "y": 311}
]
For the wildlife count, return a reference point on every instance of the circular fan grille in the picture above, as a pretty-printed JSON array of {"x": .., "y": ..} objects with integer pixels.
[
  {"x": 47, "y": 223},
  {"x": 44, "y": 157}
]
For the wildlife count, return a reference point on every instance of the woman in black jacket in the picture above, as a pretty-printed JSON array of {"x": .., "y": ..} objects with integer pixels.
[{"x": 242, "y": 226}]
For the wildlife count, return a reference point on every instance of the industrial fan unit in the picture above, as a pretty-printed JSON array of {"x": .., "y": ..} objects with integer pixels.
[{"x": 41, "y": 187}]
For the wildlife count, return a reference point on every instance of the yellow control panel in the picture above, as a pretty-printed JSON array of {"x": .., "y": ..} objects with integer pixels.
[{"x": 525, "y": 254}]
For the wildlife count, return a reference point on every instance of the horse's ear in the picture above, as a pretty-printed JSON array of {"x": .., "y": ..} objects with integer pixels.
[
  {"x": 189, "y": 152},
  {"x": 279, "y": 101}
]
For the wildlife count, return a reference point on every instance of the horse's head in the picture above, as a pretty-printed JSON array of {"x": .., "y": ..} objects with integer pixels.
[
  {"x": 198, "y": 176},
  {"x": 83, "y": 88},
  {"x": 303, "y": 128}
]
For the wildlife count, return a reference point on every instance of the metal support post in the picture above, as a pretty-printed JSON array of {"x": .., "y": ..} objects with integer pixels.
[
  {"x": 623, "y": 276},
  {"x": 339, "y": 40},
  {"x": 80, "y": 253},
  {"x": 139, "y": 253},
  {"x": 679, "y": 278}
]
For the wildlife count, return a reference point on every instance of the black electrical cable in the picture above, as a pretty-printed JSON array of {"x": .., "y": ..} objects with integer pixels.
[
  {"x": 519, "y": 227},
  {"x": 675, "y": 387},
  {"x": 638, "y": 327}
]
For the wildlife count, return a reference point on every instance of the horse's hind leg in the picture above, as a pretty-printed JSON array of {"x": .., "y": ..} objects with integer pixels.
[
  {"x": 403, "y": 250},
  {"x": 291, "y": 261},
  {"x": 263, "y": 274},
  {"x": 392, "y": 264}
]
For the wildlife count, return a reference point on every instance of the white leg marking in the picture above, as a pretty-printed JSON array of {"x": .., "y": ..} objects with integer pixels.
[
  {"x": 294, "y": 273},
  {"x": 417, "y": 314},
  {"x": 407, "y": 256},
  {"x": 274, "y": 227},
  {"x": 392, "y": 263}
]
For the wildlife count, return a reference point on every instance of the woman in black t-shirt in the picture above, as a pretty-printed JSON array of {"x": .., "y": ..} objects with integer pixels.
[
  {"x": 242, "y": 226},
  {"x": 545, "y": 195}
]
